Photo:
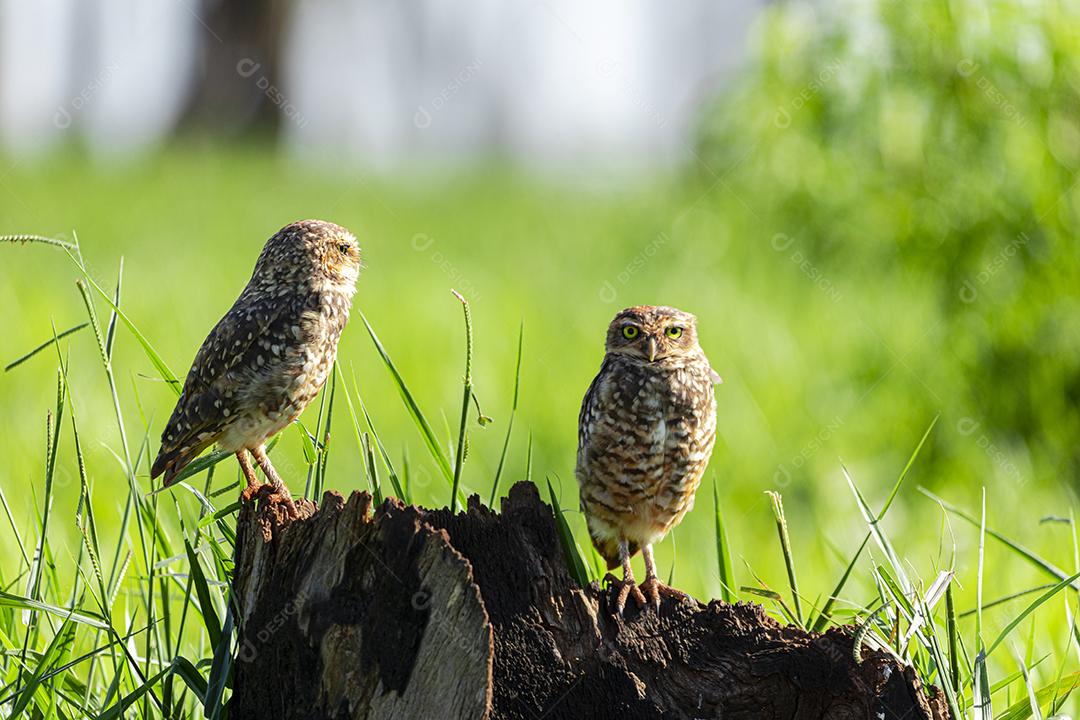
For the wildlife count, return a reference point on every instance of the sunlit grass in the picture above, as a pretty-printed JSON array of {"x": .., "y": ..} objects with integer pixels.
[{"x": 150, "y": 630}]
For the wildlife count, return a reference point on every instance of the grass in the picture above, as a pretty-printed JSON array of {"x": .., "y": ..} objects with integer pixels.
[{"x": 114, "y": 600}]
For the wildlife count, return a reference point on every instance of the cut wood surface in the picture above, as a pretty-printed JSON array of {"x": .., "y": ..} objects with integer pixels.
[{"x": 353, "y": 611}]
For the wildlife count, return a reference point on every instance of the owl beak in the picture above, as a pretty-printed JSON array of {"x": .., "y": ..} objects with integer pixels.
[{"x": 651, "y": 348}]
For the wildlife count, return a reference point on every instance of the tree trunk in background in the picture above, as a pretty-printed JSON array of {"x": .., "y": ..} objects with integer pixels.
[
  {"x": 409, "y": 613},
  {"x": 239, "y": 66}
]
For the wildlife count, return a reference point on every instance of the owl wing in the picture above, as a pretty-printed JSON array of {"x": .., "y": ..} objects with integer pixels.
[
  {"x": 594, "y": 427},
  {"x": 590, "y": 410},
  {"x": 249, "y": 340}
]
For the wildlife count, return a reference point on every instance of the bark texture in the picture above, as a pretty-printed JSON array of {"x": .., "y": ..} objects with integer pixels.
[{"x": 398, "y": 612}]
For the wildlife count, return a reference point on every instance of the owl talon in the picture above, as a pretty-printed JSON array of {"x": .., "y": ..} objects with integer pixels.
[
  {"x": 654, "y": 589},
  {"x": 281, "y": 493},
  {"x": 629, "y": 588},
  {"x": 624, "y": 589},
  {"x": 284, "y": 498}
]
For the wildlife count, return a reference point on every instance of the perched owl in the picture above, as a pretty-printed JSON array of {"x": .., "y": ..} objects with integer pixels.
[
  {"x": 647, "y": 428},
  {"x": 268, "y": 357}
]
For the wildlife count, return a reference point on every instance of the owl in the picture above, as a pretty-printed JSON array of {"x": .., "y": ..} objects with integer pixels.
[
  {"x": 268, "y": 357},
  {"x": 645, "y": 434}
]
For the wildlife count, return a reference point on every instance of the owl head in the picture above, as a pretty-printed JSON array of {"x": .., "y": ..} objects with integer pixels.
[
  {"x": 652, "y": 333},
  {"x": 311, "y": 252}
]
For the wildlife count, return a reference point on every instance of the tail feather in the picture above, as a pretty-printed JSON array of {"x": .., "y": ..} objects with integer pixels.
[{"x": 172, "y": 462}]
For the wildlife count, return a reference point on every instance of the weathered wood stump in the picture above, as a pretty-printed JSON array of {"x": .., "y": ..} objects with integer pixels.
[{"x": 400, "y": 612}]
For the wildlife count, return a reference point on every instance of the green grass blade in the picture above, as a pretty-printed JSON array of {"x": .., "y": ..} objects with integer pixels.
[
  {"x": 60, "y": 642},
  {"x": 510, "y": 422},
  {"x": 529, "y": 459},
  {"x": 907, "y": 468},
  {"x": 372, "y": 470},
  {"x": 202, "y": 590},
  {"x": 1021, "y": 710},
  {"x": 826, "y": 612},
  {"x": 982, "y": 704},
  {"x": 23, "y": 603},
  {"x": 873, "y": 521},
  {"x": 1039, "y": 562},
  {"x": 785, "y": 546},
  {"x": 360, "y": 441},
  {"x": 162, "y": 369},
  {"x": 326, "y": 435},
  {"x": 204, "y": 463},
  {"x": 979, "y": 578},
  {"x": 954, "y": 637},
  {"x": 400, "y": 488},
  {"x": 723, "y": 552},
  {"x": 1033, "y": 701},
  {"x": 776, "y": 597},
  {"x": 313, "y": 450},
  {"x": 14, "y": 528},
  {"x": 311, "y": 455},
  {"x": 1007, "y": 598},
  {"x": 52, "y": 424},
  {"x": 901, "y": 598},
  {"x": 133, "y": 697},
  {"x": 575, "y": 560},
  {"x": 220, "y": 669},
  {"x": 930, "y": 642},
  {"x": 45, "y": 346},
  {"x": 825, "y": 615},
  {"x": 426, "y": 433},
  {"x": 459, "y": 457},
  {"x": 186, "y": 671},
  {"x": 1030, "y": 609},
  {"x": 110, "y": 333}
]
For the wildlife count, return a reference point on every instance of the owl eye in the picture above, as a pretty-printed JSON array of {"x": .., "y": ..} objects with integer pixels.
[
  {"x": 674, "y": 332},
  {"x": 344, "y": 248},
  {"x": 630, "y": 332}
]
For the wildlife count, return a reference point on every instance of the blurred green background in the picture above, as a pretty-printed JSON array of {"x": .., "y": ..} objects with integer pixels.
[{"x": 877, "y": 226}]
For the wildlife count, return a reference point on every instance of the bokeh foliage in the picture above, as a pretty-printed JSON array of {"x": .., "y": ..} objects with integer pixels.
[{"x": 930, "y": 148}]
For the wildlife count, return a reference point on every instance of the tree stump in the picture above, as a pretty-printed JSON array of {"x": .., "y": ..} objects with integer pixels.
[{"x": 400, "y": 612}]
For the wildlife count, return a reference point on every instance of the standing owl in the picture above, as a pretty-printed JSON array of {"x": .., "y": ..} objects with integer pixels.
[
  {"x": 646, "y": 431},
  {"x": 268, "y": 357}
]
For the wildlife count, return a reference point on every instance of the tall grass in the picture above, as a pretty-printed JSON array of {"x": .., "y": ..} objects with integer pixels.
[{"x": 144, "y": 626}]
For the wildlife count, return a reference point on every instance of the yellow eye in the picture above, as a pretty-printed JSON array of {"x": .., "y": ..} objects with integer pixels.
[
  {"x": 630, "y": 332},
  {"x": 344, "y": 248},
  {"x": 674, "y": 332}
]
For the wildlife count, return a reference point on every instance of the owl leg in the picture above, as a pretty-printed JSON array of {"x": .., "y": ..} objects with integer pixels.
[
  {"x": 249, "y": 473},
  {"x": 652, "y": 586},
  {"x": 281, "y": 492},
  {"x": 627, "y": 586}
]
